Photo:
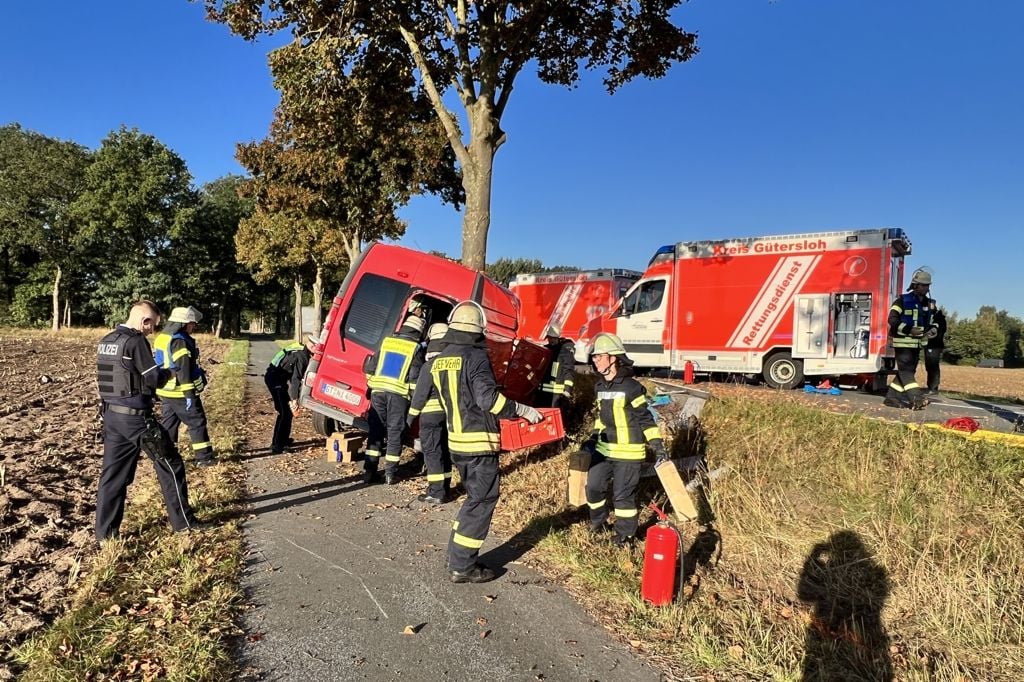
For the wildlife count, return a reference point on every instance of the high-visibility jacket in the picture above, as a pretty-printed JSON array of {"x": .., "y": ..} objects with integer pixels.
[
  {"x": 179, "y": 354},
  {"x": 464, "y": 381},
  {"x": 906, "y": 312},
  {"x": 624, "y": 426},
  {"x": 396, "y": 367},
  {"x": 563, "y": 364},
  {"x": 424, "y": 398}
]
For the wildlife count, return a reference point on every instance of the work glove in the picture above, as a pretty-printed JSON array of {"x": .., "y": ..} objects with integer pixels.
[
  {"x": 917, "y": 332},
  {"x": 200, "y": 382},
  {"x": 932, "y": 332},
  {"x": 188, "y": 404},
  {"x": 294, "y": 405},
  {"x": 528, "y": 413}
]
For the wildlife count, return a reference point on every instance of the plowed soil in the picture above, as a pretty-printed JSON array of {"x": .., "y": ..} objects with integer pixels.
[{"x": 50, "y": 458}]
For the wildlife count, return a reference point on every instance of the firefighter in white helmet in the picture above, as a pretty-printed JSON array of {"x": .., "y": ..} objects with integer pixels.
[
  {"x": 391, "y": 377},
  {"x": 911, "y": 324},
  {"x": 559, "y": 383},
  {"x": 175, "y": 350},
  {"x": 465, "y": 384},
  {"x": 622, "y": 431},
  {"x": 433, "y": 436}
]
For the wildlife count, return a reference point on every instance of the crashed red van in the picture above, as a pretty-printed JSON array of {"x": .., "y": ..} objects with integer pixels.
[{"x": 371, "y": 304}]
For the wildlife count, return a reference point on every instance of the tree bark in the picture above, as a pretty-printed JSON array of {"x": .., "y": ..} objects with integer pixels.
[
  {"x": 67, "y": 311},
  {"x": 353, "y": 246},
  {"x": 56, "y": 300},
  {"x": 318, "y": 298},
  {"x": 485, "y": 138},
  {"x": 298, "y": 309}
]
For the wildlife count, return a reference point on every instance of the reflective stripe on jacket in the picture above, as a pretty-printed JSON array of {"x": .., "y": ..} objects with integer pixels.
[
  {"x": 624, "y": 426},
  {"x": 170, "y": 352},
  {"x": 563, "y": 368},
  {"x": 906, "y": 312}
]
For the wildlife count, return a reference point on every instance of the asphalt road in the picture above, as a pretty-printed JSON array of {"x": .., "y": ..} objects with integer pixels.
[{"x": 337, "y": 571}]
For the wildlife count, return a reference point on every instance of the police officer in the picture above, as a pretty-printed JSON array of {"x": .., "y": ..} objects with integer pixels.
[
  {"x": 464, "y": 381},
  {"x": 433, "y": 436},
  {"x": 391, "y": 375},
  {"x": 559, "y": 383},
  {"x": 934, "y": 345},
  {"x": 910, "y": 321},
  {"x": 622, "y": 431},
  {"x": 284, "y": 381},
  {"x": 127, "y": 377},
  {"x": 176, "y": 351}
]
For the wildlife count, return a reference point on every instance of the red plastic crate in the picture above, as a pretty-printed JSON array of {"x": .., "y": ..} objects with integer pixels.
[{"x": 518, "y": 433}]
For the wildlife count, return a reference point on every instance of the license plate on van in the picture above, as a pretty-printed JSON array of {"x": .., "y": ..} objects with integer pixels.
[{"x": 339, "y": 393}]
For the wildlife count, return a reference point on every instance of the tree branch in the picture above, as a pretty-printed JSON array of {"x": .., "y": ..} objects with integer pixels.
[{"x": 458, "y": 35}]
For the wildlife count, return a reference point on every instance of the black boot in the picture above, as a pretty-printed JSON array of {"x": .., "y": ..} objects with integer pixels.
[{"x": 477, "y": 573}]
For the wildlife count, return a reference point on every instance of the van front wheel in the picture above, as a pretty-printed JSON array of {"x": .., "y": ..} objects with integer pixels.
[{"x": 782, "y": 371}]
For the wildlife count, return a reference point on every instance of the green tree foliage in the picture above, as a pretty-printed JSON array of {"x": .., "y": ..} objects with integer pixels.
[
  {"x": 137, "y": 195},
  {"x": 504, "y": 270},
  {"x": 473, "y": 50},
  {"x": 968, "y": 341}
]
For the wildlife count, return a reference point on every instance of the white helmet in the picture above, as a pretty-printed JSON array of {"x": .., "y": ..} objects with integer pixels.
[
  {"x": 553, "y": 329},
  {"x": 468, "y": 316},
  {"x": 921, "y": 276},
  {"x": 609, "y": 344},
  {"x": 437, "y": 331},
  {"x": 414, "y": 322},
  {"x": 185, "y": 315}
]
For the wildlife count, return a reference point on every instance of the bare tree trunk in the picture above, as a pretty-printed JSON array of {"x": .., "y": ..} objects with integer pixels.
[
  {"x": 318, "y": 299},
  {"x": 56, "y": 299},
  {"x": 298, "y": 309},
  {"x": 485, "y": 138},
  {"x": 218, "y": 329},
  {"x": 67, "y": 311},
  {"x": 353, "y": 245}
]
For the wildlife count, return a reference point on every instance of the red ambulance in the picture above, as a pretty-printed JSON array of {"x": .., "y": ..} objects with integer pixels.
[
  {"x": 382, "y": 285},
  {"x": 568, "y": 299},
  {"x": 784, "y": 307}
]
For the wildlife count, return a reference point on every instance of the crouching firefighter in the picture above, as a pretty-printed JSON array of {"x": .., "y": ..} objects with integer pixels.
[
  {"x": 283, "y": 378},
  {"x": 127, "y": 377},
  {"x": 176, "y": 351},
  {"x": 465, "y": 384},
  {"x": 623, "y": 429},
  {"x": 558, "y": 386},
  {"x": 433, "y": 436},
  {"x": 911, "y": 324},
  {"x": 391, "y": 375}
]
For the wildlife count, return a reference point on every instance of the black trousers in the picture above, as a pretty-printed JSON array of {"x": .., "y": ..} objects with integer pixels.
[
  {"x": 434, "y": 443},
  {"x": 932, "y": 356},
  {"x": 386, "y": 421},
  {"x": 625, "y": 476},
  {"x": 283, "y": 423},
  {"x": 904, "y": 387},
  {"x": 481, "y": 479},
  {"x": 173, "y": 414},
  {"x": 123, "y": 437}
]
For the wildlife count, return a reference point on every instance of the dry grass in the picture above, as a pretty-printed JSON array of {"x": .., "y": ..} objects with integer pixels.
[
  {"x": 978, "y": 381},
  {"x": 157, "y": 605},
  {"x": 842, "y": 548}
]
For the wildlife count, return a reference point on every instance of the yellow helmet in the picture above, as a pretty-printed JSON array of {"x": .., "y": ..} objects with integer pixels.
[
  {"x": 609, "y": 344},
  {"x": 437, "y": 331},
  {"x": 468, "y": 316}
]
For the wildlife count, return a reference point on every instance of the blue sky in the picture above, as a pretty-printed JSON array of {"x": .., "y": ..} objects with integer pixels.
[{"x": 797, "y": 116}]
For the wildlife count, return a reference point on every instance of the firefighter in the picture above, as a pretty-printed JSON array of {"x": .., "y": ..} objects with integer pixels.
[
  {"x": 935, "y": 344},
  {"x": 391, "y": 377},
  {"x": 176, "y": 351},
  {"x": 622, "y": 431},
  {"x": 464, "y": 381},
  {"x": 127, "y": 377},
  {"x": 433, "y": 436},
  {"x": 910, "y": 323},
  {"x": 558, "y": 385},
  {"x": 284, "y": 381}
]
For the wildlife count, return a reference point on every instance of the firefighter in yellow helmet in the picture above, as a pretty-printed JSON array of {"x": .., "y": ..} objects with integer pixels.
[
  {"x": 175, "y": 350},
  {"x": 464, "y": 380},
  {"x": 391, "y": 375},
  {"x": 622, "y": 431},
  {"x": 911, "y": 324},
  {"x": 433, "y": 437}
]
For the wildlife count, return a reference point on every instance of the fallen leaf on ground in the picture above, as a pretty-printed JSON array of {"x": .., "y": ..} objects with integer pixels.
[
  {"x": 736, "y": 651},
  {"x": 485, "y": 634}
]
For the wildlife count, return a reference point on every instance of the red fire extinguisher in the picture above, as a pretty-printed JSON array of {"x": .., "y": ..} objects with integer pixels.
[
  {"x": 661, "y": 549},
  {"x": 688, "y": 372}
]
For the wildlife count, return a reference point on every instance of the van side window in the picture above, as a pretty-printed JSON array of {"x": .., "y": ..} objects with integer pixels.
[
  {"x": 644, "y": 299},
  {"x": 376, "y": 305}
]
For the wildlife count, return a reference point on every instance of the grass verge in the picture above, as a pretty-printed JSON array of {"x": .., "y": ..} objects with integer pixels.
[
  {"x": 158, "y": 605},
  {"x": 841, "y": 548}
]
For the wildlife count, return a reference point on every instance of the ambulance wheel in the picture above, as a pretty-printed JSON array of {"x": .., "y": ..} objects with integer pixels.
[
  {"x": 782, "y": 371},
  {"x": 324, "y": 425}
]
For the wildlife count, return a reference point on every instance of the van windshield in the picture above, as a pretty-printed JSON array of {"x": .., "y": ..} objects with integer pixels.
[{"x": 376, "y": 305}]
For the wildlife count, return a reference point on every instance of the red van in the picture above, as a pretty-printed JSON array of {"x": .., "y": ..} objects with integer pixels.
[{"x": 371, "y": 304}]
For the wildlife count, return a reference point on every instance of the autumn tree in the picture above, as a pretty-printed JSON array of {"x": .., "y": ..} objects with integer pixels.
[{"x": 475, "y": 50}]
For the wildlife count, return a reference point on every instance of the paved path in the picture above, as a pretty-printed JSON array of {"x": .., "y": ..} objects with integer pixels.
[{"x": 337, "y": 570}]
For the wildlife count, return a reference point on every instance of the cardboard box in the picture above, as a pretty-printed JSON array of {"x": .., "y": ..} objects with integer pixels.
[
  {"x": 579, "y": 465},
  {"x": 342, "y": 447},
  {"x": 518, "y": 433}
]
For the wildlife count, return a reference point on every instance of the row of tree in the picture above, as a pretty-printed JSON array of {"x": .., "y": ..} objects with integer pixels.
[{"x": 991, "y": 334}]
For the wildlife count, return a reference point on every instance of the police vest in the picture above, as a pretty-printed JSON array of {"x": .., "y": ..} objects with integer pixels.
[
  {"x": 167, "y": 360},
  {"x": 391, "y": 373},
  {"x": 913, "y": 313},
  {"x": 114, "y": 376},
  {"x": 276, "y": 361}
]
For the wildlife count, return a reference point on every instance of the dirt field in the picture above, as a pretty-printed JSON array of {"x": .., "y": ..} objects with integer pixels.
[
  {"x": 50, "y": 457},
  {"x": 994, "y": 383}
]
